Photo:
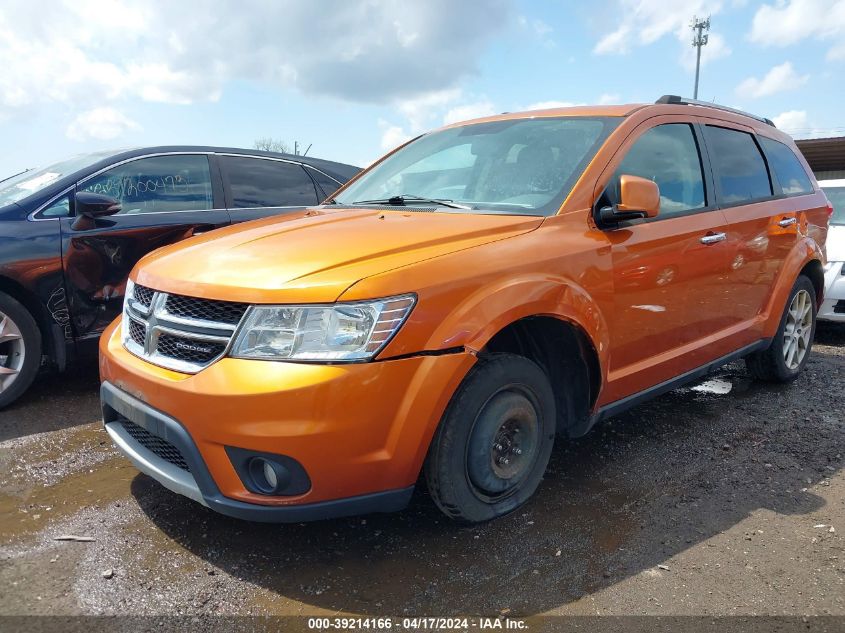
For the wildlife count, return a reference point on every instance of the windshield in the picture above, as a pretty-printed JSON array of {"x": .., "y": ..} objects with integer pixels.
[
  {"x": 32, "y": 181},
  {"x": 836, "y": 195},
  {"x": 521, "y": 166}
]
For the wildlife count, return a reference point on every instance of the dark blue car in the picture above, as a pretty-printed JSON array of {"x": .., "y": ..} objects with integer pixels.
[{"x": 70, "y": 234}]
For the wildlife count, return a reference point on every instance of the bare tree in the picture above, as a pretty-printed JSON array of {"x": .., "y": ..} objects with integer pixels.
[{"x": 269, "y": 144}]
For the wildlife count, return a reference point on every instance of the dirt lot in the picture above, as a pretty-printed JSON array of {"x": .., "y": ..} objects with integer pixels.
[{"x": 724, "y": 499}]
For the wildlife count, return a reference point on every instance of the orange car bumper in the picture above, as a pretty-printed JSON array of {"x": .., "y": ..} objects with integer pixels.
[{"x": 359, "y": 431}]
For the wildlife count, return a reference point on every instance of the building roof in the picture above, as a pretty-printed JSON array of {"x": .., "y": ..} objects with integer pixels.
[{"x": 824, "y": 154}]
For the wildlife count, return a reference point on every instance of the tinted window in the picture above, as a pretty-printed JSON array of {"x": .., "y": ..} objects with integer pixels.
[
  {"x": 738, "y": 165},
  {"x": 328, "y": 185},
  {"x": 267, "y": 183},
  {"x": 667, "y": 155},
  {"x": 790, "y": 174},
  {"x": 157, "y": 184}
]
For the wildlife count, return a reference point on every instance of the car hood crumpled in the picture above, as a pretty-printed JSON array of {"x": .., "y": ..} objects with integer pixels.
[{"x": 312, "y": 256}]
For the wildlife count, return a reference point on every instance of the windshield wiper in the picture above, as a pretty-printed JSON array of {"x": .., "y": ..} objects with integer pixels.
[{"x": 400, "y": 201}]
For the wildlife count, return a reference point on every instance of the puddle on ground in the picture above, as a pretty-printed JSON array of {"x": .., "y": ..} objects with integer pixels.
[{"x": 717, "y": 386}]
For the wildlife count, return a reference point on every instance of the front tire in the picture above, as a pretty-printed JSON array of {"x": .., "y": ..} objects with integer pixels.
[
  {"x": 20, "y": 349},
  {"x": 787, "y": 355},
  {"x": 493, "y": 444}
]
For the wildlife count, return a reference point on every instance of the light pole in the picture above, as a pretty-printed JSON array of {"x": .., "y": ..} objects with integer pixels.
[{"x": 699, "y": 39}]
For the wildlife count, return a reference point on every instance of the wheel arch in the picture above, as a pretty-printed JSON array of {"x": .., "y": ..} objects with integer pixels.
[
  {"x": 50, "y": 343},
  {"x": 566, "y": 353},
  {"x": 814, "y": 271}
]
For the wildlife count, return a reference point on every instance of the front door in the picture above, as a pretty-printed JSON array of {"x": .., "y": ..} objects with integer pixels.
[
  {"x": 666, "y": 270},
  {"x": 164, "y": 199}
]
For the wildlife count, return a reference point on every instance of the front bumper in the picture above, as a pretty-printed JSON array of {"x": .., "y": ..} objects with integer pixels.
[
  {"x": 833, "y": 306},
  {"x": 360, "y": 431},
  {"x": 196, "y": 482}
]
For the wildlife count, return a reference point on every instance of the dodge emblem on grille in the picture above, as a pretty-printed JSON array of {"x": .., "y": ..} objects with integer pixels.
[{"x": 191, "y": 347}]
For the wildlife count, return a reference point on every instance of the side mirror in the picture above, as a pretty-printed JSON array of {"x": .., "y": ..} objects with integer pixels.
[
  {"x": 640, "y": 198},
  {"x": 90, "y": 206}
]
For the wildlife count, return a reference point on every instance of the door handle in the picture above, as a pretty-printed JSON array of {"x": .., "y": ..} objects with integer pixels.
[
  {"x": 787, "y": 222},
  {"x": 713, "y": 238}
]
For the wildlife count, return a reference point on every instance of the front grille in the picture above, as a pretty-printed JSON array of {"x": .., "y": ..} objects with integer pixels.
[
  {"x": 189, "y": 350},
  {"x": 137, "y": 332},
  {"x": 144, "y": 295},
  {"x": 156, "y": 445},
  {"x": 185, "y": 334},
  {"x": 205, "y": 309}
]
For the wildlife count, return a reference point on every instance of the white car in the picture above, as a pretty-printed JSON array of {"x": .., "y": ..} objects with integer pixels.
[{"x": 833, "y": 307}]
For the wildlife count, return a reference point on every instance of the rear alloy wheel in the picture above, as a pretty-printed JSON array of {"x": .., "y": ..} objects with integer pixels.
[
  {"x": 20, "y": 349},
  {"x": 790, "y": 348},
  {"x": 798, "y": 330},
  {"x": 493, "y": 444}
]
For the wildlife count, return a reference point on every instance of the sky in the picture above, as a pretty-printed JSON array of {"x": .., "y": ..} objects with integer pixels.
[{"x": 354, "y": 78}]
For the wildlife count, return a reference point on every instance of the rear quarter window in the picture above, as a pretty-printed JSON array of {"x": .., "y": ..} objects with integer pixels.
[{"x": 788, "y": 169}]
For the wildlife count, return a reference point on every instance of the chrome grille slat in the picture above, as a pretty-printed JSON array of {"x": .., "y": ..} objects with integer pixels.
[{"x": 185, "y": 334}]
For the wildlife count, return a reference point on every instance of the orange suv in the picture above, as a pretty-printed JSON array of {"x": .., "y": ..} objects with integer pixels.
[{"x": 478, "y": 291}]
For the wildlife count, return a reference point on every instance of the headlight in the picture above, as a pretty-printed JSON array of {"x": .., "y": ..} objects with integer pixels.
[{"x": 337, "y": 332}]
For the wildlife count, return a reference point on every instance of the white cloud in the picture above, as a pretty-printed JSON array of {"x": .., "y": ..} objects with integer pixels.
[
  {"x": 791, "y": 120},
  {"x": 538, "y": 29},
  {"x": 392, "y": 136},
  {"x": 469, "y": 111},
  {"x": 424, "y": 111},
  {"x": 609, "y": 99},
  {"x": 101, "y": 124},
  {"x": 89, "y": 52},
  {"x": 643, "y": 22},
  {"x": 782, "y": 78},
  {"x": 432, "y": 110},
  {"x": 617, "y": 41},
  {"x": 547, "y": 105},
  {"x": 788, "y": 22},
  {"x": 798, "y": 124}
]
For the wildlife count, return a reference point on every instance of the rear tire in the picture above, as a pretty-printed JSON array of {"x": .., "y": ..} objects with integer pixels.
[
  {"x": 493, "y": 444},
  {"x": 20, "y": 349},
  {"x": 787, "y": 355}
]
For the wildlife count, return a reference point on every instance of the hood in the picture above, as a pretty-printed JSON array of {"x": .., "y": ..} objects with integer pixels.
[
  {"x": 314, "y": 255},
  {"x": 835, "y": 243}
]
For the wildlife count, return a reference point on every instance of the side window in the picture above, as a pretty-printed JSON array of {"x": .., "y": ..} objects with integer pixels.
[
  {"x": 59, "y": 209},
  {"x": 327, "y": 185},
  {"x": 668, "y": 155},
  {"x": 254, "y": 182},
  {"x": 788, "y": 169},
  {"x": 157, "y": 184},
  {"x": 738, "y": 165}
]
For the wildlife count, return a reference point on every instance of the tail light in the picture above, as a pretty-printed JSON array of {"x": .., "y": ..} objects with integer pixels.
[{"x": 829, "y": 210}]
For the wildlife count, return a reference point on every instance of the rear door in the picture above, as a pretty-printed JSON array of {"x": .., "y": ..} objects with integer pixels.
[
  {"x": 763, "y": 212},
  {"x": 667, "y": 270},
  {"x": 165, "y": 199},
  {"x": 261, "y": 187}
]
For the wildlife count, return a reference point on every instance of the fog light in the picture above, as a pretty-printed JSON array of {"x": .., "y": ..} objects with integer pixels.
[{"x": 268, "y": 477}]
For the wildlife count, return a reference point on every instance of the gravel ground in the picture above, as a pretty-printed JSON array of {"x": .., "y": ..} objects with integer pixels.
[{"x": 721, "y": 499}]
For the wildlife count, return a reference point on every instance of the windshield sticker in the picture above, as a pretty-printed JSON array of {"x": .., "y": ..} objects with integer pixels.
[{"x": 39, "y": 181}]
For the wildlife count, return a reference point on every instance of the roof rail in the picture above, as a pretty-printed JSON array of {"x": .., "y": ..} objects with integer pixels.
[{"x": 675, "y": 99}]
